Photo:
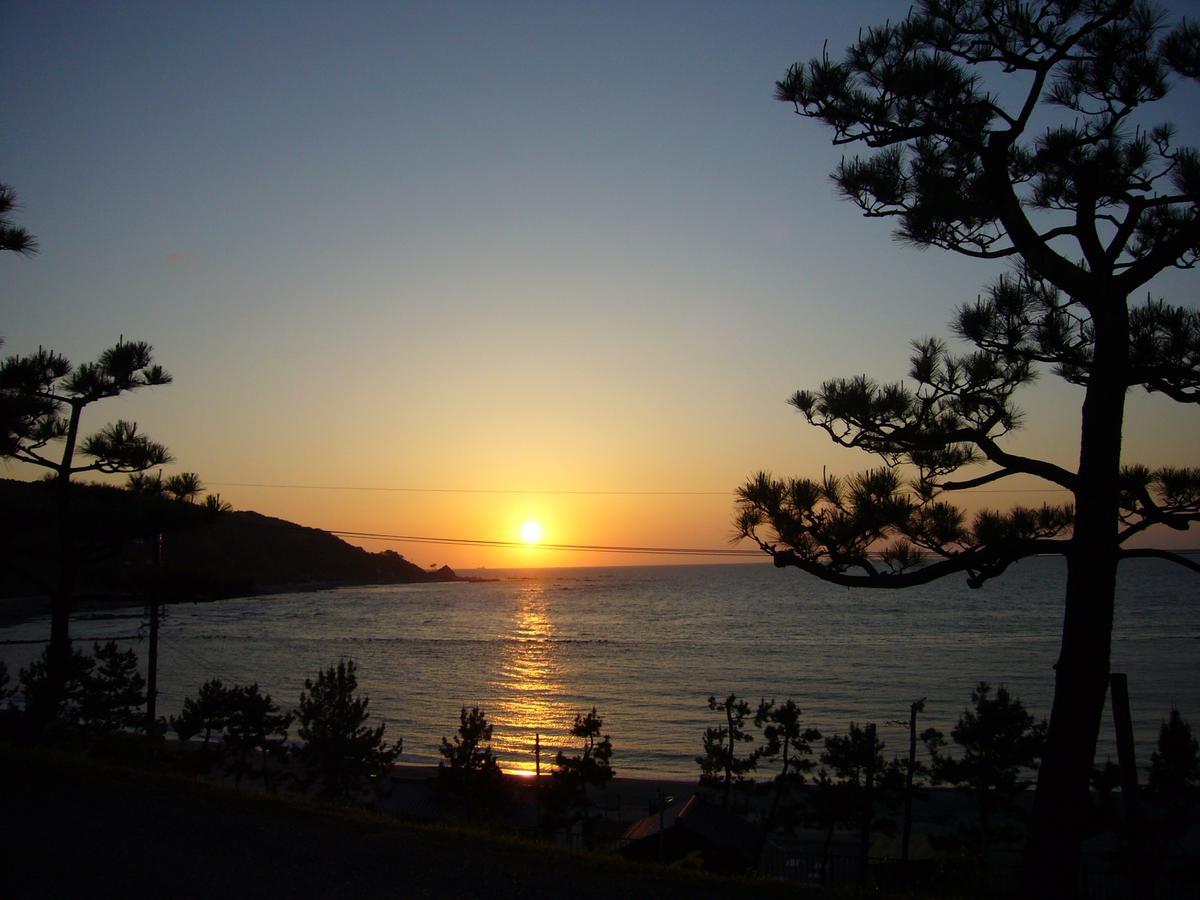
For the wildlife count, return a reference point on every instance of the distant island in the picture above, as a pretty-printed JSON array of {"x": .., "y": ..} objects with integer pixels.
[{"x": 205, "y": 556}]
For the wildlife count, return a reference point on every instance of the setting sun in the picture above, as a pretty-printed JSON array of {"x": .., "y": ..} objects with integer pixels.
[{"x": 531, "y": 532}]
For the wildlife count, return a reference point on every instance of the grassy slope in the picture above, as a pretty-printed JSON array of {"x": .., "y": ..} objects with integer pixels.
[{"x": 75, "y": 828}]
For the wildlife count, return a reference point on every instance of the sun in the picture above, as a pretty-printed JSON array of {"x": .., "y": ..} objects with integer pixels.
[{"x": 531, "y": 532}]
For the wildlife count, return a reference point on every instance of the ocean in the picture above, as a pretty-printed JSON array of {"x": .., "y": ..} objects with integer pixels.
[{"x": 648, "y": 645}]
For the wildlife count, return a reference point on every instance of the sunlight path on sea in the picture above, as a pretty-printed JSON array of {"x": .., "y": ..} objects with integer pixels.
[{"x": 527, "y": 684}]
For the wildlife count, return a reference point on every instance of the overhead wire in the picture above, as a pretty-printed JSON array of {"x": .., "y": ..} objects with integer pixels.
[
  {"x": 588, "y": 548},
  {"x": 558, "y": 493}
]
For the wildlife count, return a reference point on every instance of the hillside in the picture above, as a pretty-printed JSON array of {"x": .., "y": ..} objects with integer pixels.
[{"x": 205, "y": 556}]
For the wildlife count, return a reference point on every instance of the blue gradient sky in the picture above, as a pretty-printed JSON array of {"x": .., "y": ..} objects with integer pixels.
[{"x": 531, "y": 246}]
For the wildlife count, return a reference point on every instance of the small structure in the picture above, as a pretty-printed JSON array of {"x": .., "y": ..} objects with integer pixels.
[{"x": 724, "y": 840}]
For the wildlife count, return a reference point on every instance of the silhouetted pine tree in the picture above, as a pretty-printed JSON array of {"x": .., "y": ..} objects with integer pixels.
[
  {"x": 255, "y": 731},
  {"x": 1175, "y": 775},
  {"x": 787, "y": 739},
  {"x": 1011, "y": 131},
  {"x": 207, "y": 714},
  {"x": 44, "y": 398},
  {"x": 41, "y": 704},
  {"x": 720, "y": 764},
  {"x": 1000, "y": 744},
  {"x": 336, "y": 747},
  {"x": 112, "y": 695},
  {"x": 866, "y": 782},
  {"x": 6, "y": 690},
  {"x": 469, "y": 774},
  {"x": 592, "y": 766},
  {"x": 12, "y": 237}
]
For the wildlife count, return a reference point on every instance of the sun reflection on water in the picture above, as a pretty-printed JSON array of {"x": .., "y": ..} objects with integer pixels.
[{"x": 528, "y": 685}]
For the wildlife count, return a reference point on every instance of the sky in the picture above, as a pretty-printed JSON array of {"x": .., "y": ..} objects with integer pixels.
[{"x": 439, "y": 269}]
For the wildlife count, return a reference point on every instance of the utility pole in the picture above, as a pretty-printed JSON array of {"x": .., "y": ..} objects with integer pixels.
[
  {"x": 916, "y": 707},
  {"x": 152, "y": 652}
]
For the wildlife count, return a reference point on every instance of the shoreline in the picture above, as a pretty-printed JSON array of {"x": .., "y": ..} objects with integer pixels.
[{"x": 21, "y": 609}]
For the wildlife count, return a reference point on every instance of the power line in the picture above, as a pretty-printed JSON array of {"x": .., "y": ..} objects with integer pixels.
[
  {"x": 588, "y": 548},
  {"x": 510, "y": 491},
  {"x": 435, "y": 490}
]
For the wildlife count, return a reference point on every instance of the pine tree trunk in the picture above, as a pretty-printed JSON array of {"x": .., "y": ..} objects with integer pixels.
[
  {"x": 152, "y": 649},
  {"x": 1061, "y": 806},
  {"x": 58, "y": 655}
]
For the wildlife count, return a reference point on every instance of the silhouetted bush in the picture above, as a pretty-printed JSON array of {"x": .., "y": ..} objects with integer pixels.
[
  {"x": 103, "y": 693},
  {"x": 337, "y": 748},
  {"x": 113, "y": 692},
  {"x": 255, "y": 730},
  {"x": 1174, "y": 784},
  {"x": 208, "y": 715},
  {"x": 787, "y": 740},
  {"x": 720, "y": 764},
  {"x": 1000, "y": 742},
  {"x": 469, "y": 775},
  {"x": 572, "y": 776}
]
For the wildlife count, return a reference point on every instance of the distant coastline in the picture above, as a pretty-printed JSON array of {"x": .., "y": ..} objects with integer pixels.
[{"x": 205, "y": 557}]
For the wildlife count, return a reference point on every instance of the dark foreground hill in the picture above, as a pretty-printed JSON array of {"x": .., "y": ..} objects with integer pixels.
[
  {"x": 205, "y": 556},
  {"x": 74, "y": 828}
]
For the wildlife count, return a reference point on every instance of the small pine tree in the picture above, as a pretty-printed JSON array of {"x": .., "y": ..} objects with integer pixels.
[
  {"x": 1175, "y": 765},
  {"x": 42, "y": 702},
  {"x": 337, "y": 748},
  {"x": 471, "y": 751},
  {"x": 866, "y": 782},
  {"x": 469, "y": 774},
  {"x": 255, "y": 726},
  {"x": 113, "y": 693},
  {"x": 787, "y": 739},
  {"x": 1000, "y": 742},
  {"x": 593, "y": 765},
  {"x": 720, "y": 763},
  {"x": 829, "y": 807},
  {"x": 208, "y": 713},
  {"x": 1175, "y": 774},
  {"x": 5, "y": 691}
]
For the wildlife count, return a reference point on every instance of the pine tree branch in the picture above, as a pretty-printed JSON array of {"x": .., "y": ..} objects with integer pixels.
[
  {"x": 980, "y": 563},
  {"x": 1164, "y": 255},
  {"x": 26, "y": 455},
  {"x": 1024, "y": 464},
  {"x": 1153, "y": 553},
  {"x": 978, "y": 482}
]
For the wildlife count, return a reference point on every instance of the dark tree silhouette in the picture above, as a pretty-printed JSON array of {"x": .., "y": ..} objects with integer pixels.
[
  {"x": 721, "y": 764},
  {"x": 829, "y": 806},
  {"x": 255, "y": 728},
  {"x": 6, "y": 690},
  {"x": 337, "y": 747},
  {"x": 866, "y": 782},
  {"x": 113, "y": 692},
  {"x": 787, "y": 739},
  {"x": 103, "y": 693},
  {"x": 471, "y": 750},
  {"x": 593, "y": 765},
  {"x": 50, "y": 395},
  {"x": 469, "y": 773},
  {"x": 207, "y": 714},
  {"x": 1090, "y": 207},
  {"x": 154, "y": 490},
  {"x": 1175, "y": 775},
  {"x": 13, "y": 238},
  {"x": 1175, "y": 765},
  {"x": 40, "y": 702},
  {"x": 1000, "y": 743}
]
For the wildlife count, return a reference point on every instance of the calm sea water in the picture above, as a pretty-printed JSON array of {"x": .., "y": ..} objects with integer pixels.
[{"x": 647, "y": 646}]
